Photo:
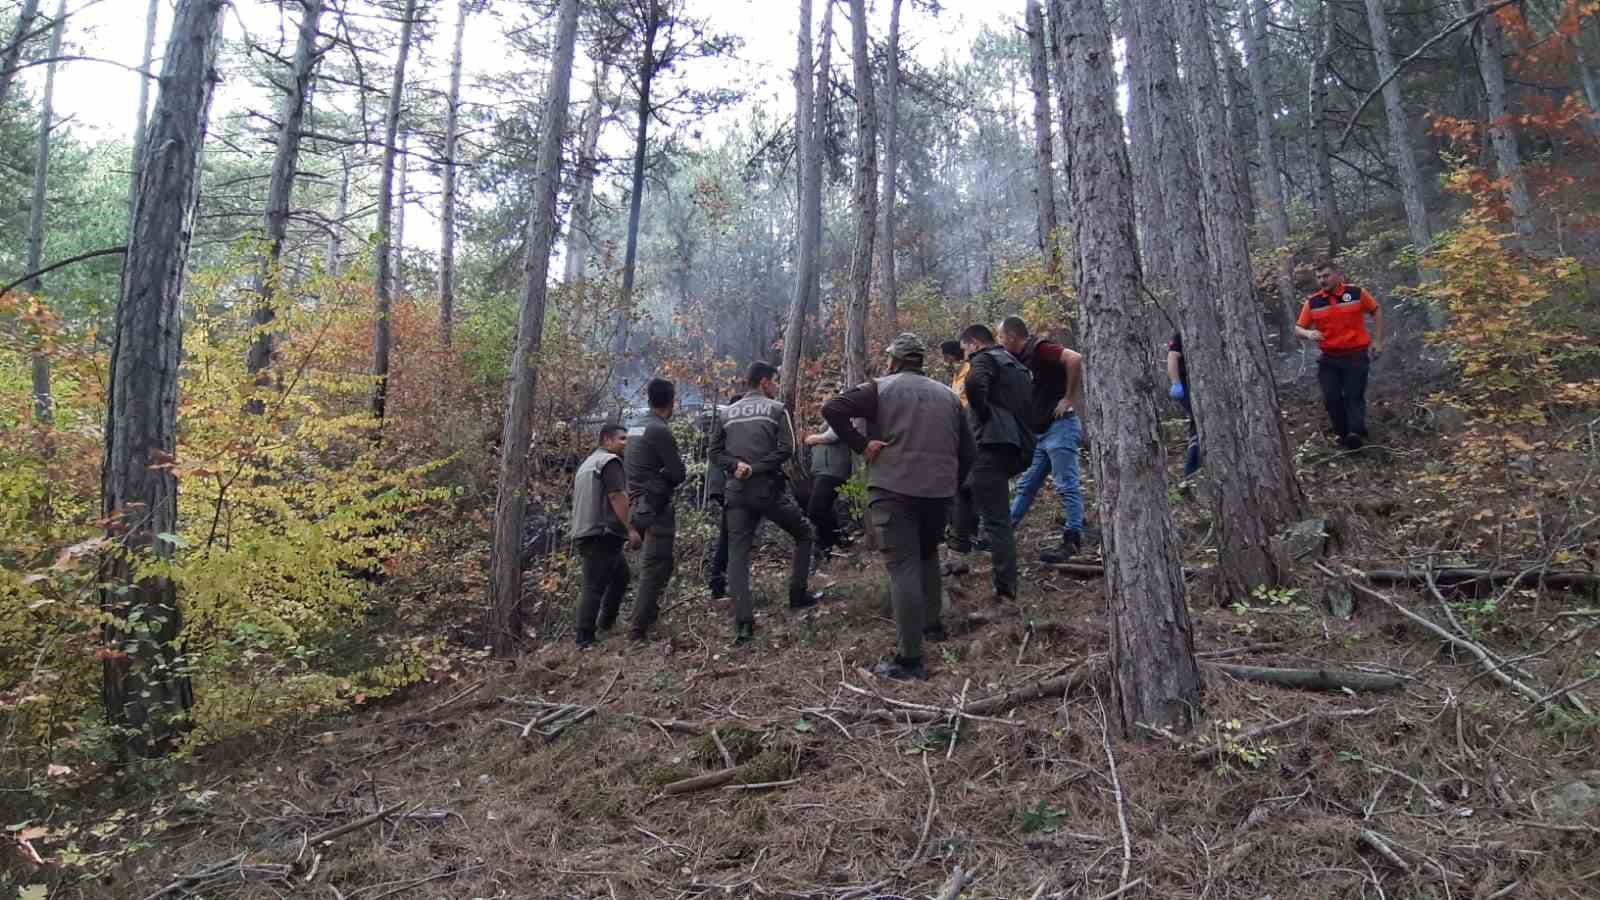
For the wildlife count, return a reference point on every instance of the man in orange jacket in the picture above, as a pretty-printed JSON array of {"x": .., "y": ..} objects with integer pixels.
[{"x": 1336, "y": 318}]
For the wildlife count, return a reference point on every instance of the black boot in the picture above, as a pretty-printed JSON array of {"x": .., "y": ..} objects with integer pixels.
[
  {"x": 744, "y": 632},
  {"x": 1071, "y": 543},
  {"x": 801, "y": 598},
  {"x": 719, "y": 588},
  {"x": 585, "y": 639},
  {"x": 901, "y": 668}
]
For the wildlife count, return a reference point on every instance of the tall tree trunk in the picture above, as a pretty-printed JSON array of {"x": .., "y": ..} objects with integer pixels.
[
  {"x": 579, "y": 236},
  {"x": 810, "y": 154},
  {"x": 1277, "y": 494},
  {"x": 1044, "y": 188},
  {"x": 1405, "y": 159},
  {"x": 1255, "y": 47},
  {"x": 891, "y": 167},
  {"x": 1321, "y": 161},
  {"x": 1154, "y": 677},
  {"x": 341, "y": 211},
  {"x": 1150, "y": 213},
  {"x": 145, "y": 685},
  {"x": 400, "y": 193},
  {"x": 1240, "y": 120},
  {"x": 280, "y": 184},
  {"x": 140, "y": 123},
  {"x": 383, "y": 279},
  {"x": 866, "y": 199},
  {"x": 630, "y": 256},
  {"x": 43, "y": 403},
  {"x": 1244, "y": 551},
  {"x": 447, "y": 214},
  {"x": 505, "y": 564},
  {"x": 1591, "y": 82},
  {"x": 12, "y": 54},
  {"x": 1491, "y": 68}
]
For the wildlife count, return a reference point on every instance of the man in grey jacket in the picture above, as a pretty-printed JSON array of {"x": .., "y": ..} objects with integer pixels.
[
  {"x": 999, "y": 401},
  {"x": 655, "y": 469},
  {"x": 751, "y": 442},
  {"x": 918, "y": 450},
  {"x": 599, "y": 525}
]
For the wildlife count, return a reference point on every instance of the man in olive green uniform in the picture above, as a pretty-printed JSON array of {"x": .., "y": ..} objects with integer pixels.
[
  {"x": 655, "y": 469},
  {"x": 599, "y": 514},
  {"x": 831, "y": 465},
  {"x": 751, "y": 442},
  {"x": 918, "y": 450},
  {"x": 999, "y": 401}
]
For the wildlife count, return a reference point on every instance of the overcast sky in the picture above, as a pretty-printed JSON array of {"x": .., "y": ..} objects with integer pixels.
[{"x": 99, "y": 101}]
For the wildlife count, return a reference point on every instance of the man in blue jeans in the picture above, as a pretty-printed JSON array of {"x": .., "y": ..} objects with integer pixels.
[{"x": 1057, "y": 396}]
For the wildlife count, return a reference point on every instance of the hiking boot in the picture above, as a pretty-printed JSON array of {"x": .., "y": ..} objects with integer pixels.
[
  {"x": 935, "y": 634},
  {"x": 1071, "y": 542},
  {"x": 801, "y": 599},
  {"x": 718, "y": 588},
  {"x": 744, "y": 632},
  {"x": 901, "y": 669},
  {"x": 585, "y": 640},
  {"x": 1352, "y": 441},
  {"x": 1004, "y": 597}
]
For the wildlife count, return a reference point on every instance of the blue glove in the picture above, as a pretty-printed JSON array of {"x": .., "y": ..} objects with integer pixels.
[{"x": 1176, "y": 391}]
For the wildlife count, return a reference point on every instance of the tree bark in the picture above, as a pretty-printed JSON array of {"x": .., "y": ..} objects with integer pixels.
[
  {"x": 382, "y": 259},
  {"x": 447, "y": 213},
  {"x": 866, "y": 199},
  {"x": 143, "y": 120},
  {"x": 144, "y": 686},
  {"x": 1150, "y": 214},
  {"x": 1044, "y": 188},
  {"x": 1405, "y": 159},
  {"x": 12, "y": 54},
  {"x": 808, "y": 131},
  {"x": 400, "y": 215},
  {"x": 1317, "y": 91},
  {"x": 1154, "y": 676},
  {"x": 505, "y": 564},
  {"x": 280, "y": 185},
  {"x": 1254, "y": 26},
  {"x": 43, "y": 402},
  {"x": 579, "y": 236},
  {"x": 891, "y": 167},
  {"x": 647, "y": 72},
  {"x": 1269, "y": 460},
  {"x": 1490, "y": 44},
  {"x": 1239, "y": 118},
  {"x": 1244, "y": 557}
]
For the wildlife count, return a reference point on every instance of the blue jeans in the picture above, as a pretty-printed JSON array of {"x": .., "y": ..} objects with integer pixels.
[{"x": 1057, "y": 455}]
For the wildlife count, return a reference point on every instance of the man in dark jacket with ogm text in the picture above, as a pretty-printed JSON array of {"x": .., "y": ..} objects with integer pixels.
[
  {"x": 918, "y": 450},
  {"x": 751, "y": 442}
]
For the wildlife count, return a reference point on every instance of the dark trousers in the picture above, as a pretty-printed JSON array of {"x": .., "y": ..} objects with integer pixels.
[
  {"x": 655, "y": 567},
  {"x": 1344, "y": 392},
  {"x": 605, "y": 580},
  {"x": 985, "y": 502},
  {"x": 744, "y": 517},
  {"x": 908, "y": 531},
  {"x": 964, "y": 521},
  {"x": 718, "y": 580},
  {"x": 823, "y": 511},
  {"x": 1191, "y": 458}
]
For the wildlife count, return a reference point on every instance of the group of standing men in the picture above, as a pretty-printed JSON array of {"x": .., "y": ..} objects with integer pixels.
[{"x": 928, "y": 447}]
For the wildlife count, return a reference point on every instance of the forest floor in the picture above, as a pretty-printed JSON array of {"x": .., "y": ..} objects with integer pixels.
[{"x": 1452, "y": 786}]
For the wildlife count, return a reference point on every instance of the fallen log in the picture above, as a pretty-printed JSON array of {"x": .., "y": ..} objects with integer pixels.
[
  {"x": 1311, "y": 679},
  {"x": 1574, "y": 581}
]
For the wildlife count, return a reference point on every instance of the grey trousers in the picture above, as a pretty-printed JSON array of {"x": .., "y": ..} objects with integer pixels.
[
  {"x": 908, "y": 531},
  {"x": 655, "y": 567},
  {"x": 987, "y": 494},
  {"x": 744, "y": 517}
]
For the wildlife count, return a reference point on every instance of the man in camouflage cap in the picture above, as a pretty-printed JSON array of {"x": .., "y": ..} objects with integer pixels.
[{"x": 918, "y": 450}]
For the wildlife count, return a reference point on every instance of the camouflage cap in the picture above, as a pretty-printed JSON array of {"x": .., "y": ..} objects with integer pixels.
[{"x": 906, "y": 345}]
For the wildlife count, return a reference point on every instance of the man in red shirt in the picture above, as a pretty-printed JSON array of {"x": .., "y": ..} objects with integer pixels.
[{"x": 1336, "y": 318}]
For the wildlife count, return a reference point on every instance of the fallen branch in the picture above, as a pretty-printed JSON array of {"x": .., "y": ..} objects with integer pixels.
[
  {"x": 927, "y": 823},
  {"x": 1376, "y": 842},
  {"x": 1121, "y": 890},
  {"x": 932, "y": 712},
  {"x": 1206, "y": 753},
  {"x": 955, "y": 720},
  {"x": 762, "y": 786},
  {"x": 701, "y": 782},
  {"x": 693, "y": 729},
  {"x": 348, "y": 827},
  {"x": 1116, "y": 789},
  {"x": 235, "y": 868},
  {"x": 1313, "y": 679}
]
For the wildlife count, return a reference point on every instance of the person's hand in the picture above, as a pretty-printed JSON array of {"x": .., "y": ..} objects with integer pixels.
[
  {"x": 635, "y": 539},
  {"x": 1314, "y": 334},
  {"x": 742, "y": 471},
  {"x": 1063, "y": 409},
  {"x": 813, "y": 439},
  {"x": 873, "y": 449},
  {"x": 1176, "y": 391}
]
